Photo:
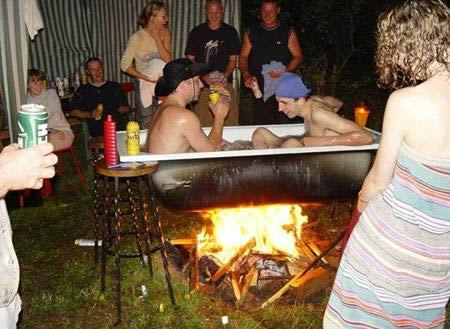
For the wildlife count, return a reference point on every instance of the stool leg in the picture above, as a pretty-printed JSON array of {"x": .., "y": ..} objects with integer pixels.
[
  {"x": 134, "y": 205},
  {"x": 146, "y": 222},
  {"x": 116, "y": 248},
  {"x": 91, "y": 160},
  {"x": 77, "y": 166},
  {"x": 161, "y": 238},
  {"x": 106, "y": 236},
  {"x": 98, "y": 220}
]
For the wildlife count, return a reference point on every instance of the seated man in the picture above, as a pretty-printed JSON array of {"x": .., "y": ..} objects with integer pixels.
[
  {"x": 84, "y": 104},
  {"x": 323, "y": 127},
  {"x": 175, "y": 129}
]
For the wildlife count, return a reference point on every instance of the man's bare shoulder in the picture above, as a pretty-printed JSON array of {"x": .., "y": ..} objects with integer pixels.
[
  {"x": 320, "y": 103},
  {"x": 177, "y": 111},
  {"x": 326, "y": 118},
  {"x": 330, "y": 103},
  {"x": 176, "y": 117},
  {"x": 316, "y": 98},
  {"x": 318, "y": 107},
  {"x": 321, "y": 116}
]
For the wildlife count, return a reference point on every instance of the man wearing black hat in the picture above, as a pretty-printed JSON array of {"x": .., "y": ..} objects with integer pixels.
[{"x": 175, "y": 129}]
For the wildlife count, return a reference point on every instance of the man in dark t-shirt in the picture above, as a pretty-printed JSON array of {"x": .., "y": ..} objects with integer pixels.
[
  {"x": 84, "y": 104},
  {"x": 218, "y": 44},
  {"x": 263, "y": 43}
]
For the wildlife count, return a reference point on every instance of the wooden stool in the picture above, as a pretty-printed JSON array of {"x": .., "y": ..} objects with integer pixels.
[{"x": 112, "y": 217}]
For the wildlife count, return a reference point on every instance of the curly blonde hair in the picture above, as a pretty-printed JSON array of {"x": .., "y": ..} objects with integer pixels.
[{"x": 411, "y": 36}]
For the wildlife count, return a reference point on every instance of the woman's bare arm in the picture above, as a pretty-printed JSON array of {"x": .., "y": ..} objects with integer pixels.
[{"x": 393, "y": 132}]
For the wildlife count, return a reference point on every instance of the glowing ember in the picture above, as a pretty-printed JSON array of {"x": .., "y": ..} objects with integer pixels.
[{"x": 275, "y": 228}]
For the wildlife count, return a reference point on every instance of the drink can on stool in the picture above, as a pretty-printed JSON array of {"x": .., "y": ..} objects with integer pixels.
[
  {"x": 133, "y": 138},
  {"x": 32, "y": 122}
]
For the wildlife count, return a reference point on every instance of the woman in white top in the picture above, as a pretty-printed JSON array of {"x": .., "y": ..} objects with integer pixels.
[
  {"x": 60, "y": 135},
  {"x": 152, "y": 41}
]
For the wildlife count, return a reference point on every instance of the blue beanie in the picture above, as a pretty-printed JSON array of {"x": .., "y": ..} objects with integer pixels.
[{"x": 291, "y": 85}]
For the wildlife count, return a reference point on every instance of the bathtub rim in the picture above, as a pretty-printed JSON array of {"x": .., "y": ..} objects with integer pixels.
[{"x": 145, "y": 156}]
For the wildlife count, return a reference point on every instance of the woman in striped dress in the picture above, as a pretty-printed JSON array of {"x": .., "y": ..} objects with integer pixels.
[{"x": 395, "y": 271}]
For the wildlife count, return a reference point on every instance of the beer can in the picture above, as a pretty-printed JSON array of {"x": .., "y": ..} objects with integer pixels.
[
  {"x": 32, "y": 121},
  {"x": 133, "y": 138}
]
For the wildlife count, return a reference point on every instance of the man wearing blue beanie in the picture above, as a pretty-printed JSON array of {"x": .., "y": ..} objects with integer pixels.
[{"x": 323, "y": 127}]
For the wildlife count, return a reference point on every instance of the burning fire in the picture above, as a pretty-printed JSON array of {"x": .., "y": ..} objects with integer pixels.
[{"x": 275, "y": 229}]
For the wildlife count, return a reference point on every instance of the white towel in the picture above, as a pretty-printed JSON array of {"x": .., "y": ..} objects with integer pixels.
[
  {"x": 154, "y": 70},
  {"x": 270, "y": 84},
  {"x": 33, "y": 18}
]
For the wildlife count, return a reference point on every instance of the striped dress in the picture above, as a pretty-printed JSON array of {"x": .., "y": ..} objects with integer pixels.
[{"x": 395, "y": 271}]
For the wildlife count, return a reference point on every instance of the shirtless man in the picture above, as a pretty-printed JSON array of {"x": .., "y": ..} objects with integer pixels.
[
  {"x": 323, "y": 127},
  {"x": 175, "y": 129}
]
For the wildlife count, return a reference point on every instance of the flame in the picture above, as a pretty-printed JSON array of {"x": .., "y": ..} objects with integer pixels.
[{"x": 275, "y": 228}]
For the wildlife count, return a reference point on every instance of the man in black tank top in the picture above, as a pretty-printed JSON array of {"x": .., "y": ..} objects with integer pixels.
[{"x": 265, "y": 42}]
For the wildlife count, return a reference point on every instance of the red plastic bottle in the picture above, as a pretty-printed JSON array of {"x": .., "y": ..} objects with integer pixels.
[{"x": 110, "y": 140}]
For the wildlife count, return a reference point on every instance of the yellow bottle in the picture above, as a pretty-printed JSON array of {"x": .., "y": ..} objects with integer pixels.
[{"x": 133, "y": 138}]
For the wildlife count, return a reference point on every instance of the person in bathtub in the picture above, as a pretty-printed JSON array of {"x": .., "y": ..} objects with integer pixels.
[
  {"x": 323, "y": 127},
  {"x": 174, "y": 128}
]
